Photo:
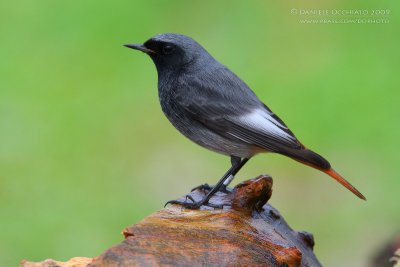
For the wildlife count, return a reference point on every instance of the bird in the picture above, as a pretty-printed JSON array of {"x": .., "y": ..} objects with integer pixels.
[{"x": 214, "y": 108}]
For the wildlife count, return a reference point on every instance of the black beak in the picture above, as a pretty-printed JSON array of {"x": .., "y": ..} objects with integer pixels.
[{"x": 140, "y": 47}]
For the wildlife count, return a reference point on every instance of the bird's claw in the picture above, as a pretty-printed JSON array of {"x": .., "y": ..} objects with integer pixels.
[
  {"x": 194, "y": 205},
  {"x": 206, "y": 188},
  {"x": 188, "y": 205},
  {"x": 203, "y": 187}
]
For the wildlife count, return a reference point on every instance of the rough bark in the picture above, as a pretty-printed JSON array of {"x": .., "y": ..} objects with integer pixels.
[{"x": 246, "y": 232}]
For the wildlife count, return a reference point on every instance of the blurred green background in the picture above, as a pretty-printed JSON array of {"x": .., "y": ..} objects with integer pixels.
[{"x": 85, "y": 149}]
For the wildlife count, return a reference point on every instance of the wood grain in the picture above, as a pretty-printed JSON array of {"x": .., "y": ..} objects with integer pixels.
[{"x": 246, "y": 232}]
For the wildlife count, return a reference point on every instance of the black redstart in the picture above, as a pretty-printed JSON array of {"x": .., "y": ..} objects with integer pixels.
[{"x": 214, "y": 108}]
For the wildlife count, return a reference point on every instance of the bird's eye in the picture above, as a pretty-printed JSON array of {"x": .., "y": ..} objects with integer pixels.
[{"x": 168, "y": 49}]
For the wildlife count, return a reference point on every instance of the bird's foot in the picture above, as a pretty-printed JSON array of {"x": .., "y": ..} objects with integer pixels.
[
  {"x": 207, "y": 188},
  {"x": 194, "y": 205},
  {"x": 203, "y": 187}
]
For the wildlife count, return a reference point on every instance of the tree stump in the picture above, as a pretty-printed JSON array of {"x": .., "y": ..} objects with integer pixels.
[{"x": 246, "y": 232}]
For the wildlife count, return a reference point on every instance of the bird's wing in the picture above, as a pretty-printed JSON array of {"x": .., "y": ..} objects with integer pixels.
[
  {"x": 236, "y": 113},
  {"x": 261, "y": 129},
  {"x": 257, "y": 128}
]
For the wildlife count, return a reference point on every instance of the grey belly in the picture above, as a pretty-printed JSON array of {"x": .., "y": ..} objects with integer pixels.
[{"x": 205, "y": 137}]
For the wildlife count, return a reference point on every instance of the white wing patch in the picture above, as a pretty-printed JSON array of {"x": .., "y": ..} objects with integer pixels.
[{"x": 261, "y": 121}]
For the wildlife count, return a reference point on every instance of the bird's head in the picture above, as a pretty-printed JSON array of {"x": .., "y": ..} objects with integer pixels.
[{"x": 172, "y": 51}]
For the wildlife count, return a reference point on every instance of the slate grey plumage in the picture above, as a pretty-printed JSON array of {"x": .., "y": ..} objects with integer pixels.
[{"x": 214, "y": 108}]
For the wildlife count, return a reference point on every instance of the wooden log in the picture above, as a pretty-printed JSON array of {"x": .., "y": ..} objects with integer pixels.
[
  {"x": 246, "y": 232},
  {"x": 74, "y": 262}
]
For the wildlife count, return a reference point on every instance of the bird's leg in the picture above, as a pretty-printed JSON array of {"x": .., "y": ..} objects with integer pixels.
[
  {"x": 196, "y": 205},
  {"x": 206, "y": 187},
  {"x": 234, "y": 161}
]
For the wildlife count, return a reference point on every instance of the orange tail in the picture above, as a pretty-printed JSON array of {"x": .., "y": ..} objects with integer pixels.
[
  {"x": 316, "y": 161},
  {"x": 332, "y": 173}
]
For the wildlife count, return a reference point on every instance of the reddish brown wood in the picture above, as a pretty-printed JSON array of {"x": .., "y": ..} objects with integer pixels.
[
  {"x": 247, "y": 232},
  {"x": 74, "y": 262}
]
